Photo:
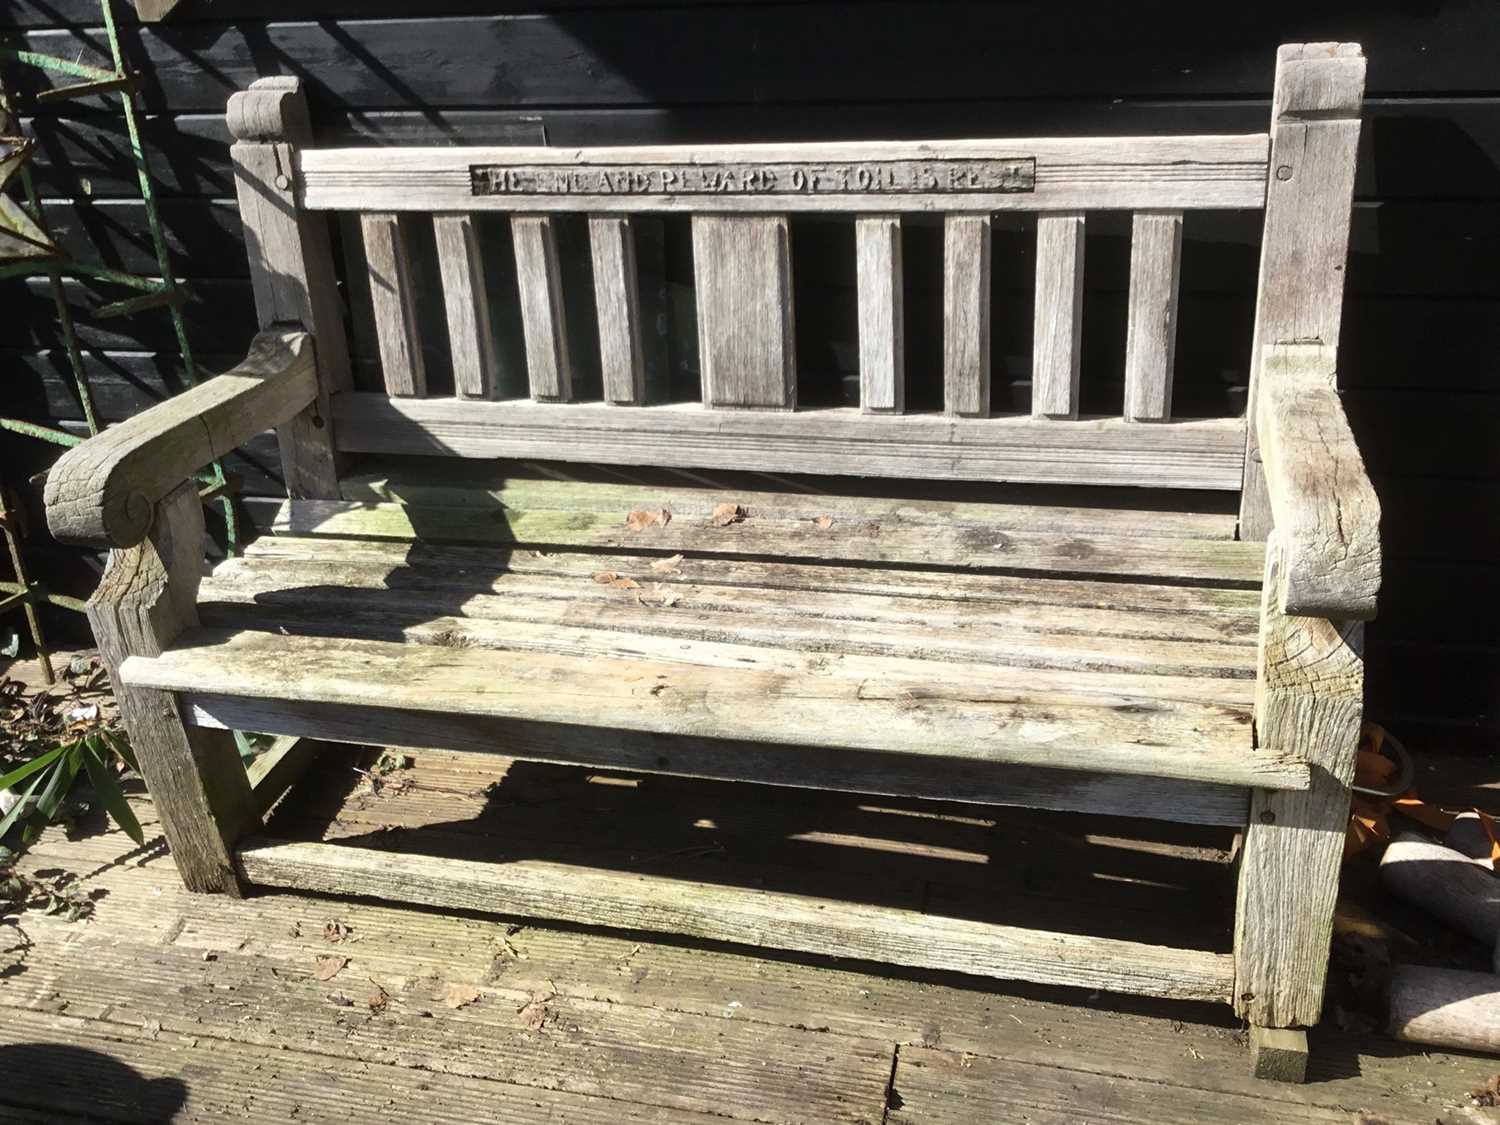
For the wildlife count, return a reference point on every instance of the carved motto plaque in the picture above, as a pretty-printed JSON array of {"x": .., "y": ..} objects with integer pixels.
[{"x": 860, "y": 177}]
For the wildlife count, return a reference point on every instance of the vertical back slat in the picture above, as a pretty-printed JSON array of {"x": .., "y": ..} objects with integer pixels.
[
  {"x": 617, "y": 296},
  {"x": 742, "y": 265},
  {"x": 394, "y": 302},
  {"x": 882, "y": 376},
  {"x": 966, "y": 314},
  {"x": 1151, "y": 332},
  {"x": 466, "y": 300},
  {"x": 543, "y": 320},
  {"x": 1059, "y": 315}
]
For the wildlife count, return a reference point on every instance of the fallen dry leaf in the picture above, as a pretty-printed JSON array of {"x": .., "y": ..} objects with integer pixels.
[
  {"x": 824, "y": 522},
  {"x": 618, "y": 581},
  {"x": 328, "y": 967},
  {"x": 378, "y": 999},
  {"x": 668, "y": 565},
  {"x": 335, "y": 931},
  {"x": 726, "y": 514},
  {"x": 460, "y": 995},
  {"x": 660, "y": 598},
  {"x": 534, "y": 1013},
  {"x": 639, "y": 520}
]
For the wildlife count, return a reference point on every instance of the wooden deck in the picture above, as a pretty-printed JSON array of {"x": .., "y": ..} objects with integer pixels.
[{"x": 161, "y": 1006}]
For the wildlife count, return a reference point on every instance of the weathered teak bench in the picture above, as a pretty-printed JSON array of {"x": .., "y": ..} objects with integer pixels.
[{"x": 1149, "y": 659}]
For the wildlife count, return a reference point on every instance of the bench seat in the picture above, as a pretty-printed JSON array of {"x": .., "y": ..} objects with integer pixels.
[{"x": 874, "y": 630}]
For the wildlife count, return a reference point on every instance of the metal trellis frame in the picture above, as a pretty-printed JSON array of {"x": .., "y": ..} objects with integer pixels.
[{"x": 163, "y": 290}]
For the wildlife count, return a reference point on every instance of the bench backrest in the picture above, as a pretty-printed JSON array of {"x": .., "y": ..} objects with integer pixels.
[{"x": 739, "y": 198}]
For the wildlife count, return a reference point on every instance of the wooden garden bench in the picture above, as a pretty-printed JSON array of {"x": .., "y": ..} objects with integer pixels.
[{"x": 1134, "y": 656}]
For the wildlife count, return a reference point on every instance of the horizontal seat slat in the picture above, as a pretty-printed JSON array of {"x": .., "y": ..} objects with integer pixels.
[
  {"x": 632, "y": 901},
  {"x": 1194, "y": 454},
  {"x": 1239, "y": 610},
  {"x": 493, "y": 588},
  {"x": 440, "y": 482},
  {"x": 1181, "y": 727},
  {"x": 976, "y": 176},
  {"x": 973, "y": 546},
  {"x": 488, "y": 607}
]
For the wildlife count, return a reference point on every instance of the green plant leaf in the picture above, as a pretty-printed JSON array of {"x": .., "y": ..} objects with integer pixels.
[
  {"x": 40, "y": 762},
  {"x": 60, "y": 782},
  {"x": 15, "y": 811},
  {"x": 121, "y": 746},
  {"x": 111, "y": 796}
]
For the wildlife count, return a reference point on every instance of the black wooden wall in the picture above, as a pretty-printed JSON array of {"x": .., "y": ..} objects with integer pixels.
[{"x": 1420, "y": 354}]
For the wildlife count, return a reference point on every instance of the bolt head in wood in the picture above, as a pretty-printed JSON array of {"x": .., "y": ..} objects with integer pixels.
[{"x": 1284, "y": 172}]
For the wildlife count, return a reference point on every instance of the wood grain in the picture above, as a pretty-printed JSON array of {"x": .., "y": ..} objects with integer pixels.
[
  {"x": 471, "y": 339},
  {"x": 1145, "y": 725},
  {"x": 291, "y": 268},
  {"x": 640, "y": 902},
  {"x": 1445, "y": 1008},
  {"x": 1072, "y": 174},
  {"x": 1059, "y": 316},
  {"x": 966, "y": 315},
  {"x": 446, "y": 483},
  {"x": 1309, "y": 705},
  {"x": 1445, "y": 884},
  {"x": 882, "y": 336},
  {"x": 1203, "y": 453},
  {"x": 544, "y": 319},
  {"x": 103, "y": 492},
  {"x": 998, "y": 545},
  {"x": 742, "y": 269},
  {"x": 617, "y": 298},
  {"x": 1326, "y": 511},
  {"x": 144, "y": 601},
  {"x": 393, "y": 297},
  {"x": 1151, "y": 326},
  {"x": 1314, "y": 140}
]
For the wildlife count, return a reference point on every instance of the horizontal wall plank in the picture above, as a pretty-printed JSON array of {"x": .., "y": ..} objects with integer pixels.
[
  {"x": 204, "y": 236},
  {"x": 608, "y": 55},
  {"x": 1184, "y": 454},
  {"x": 1119, "y": 172}
]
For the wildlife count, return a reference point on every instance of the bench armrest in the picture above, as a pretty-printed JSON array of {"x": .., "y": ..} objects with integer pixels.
[
  {"x": 102, "y": 492},
  {"x": 1326, "y": 513}
]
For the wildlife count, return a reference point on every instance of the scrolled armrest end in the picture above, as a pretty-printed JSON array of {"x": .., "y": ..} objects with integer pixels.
[{"x": 103, "y": 492}]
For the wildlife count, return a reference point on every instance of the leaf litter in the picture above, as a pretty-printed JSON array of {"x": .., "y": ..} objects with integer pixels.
[
  {"x": 640, "y": 519},
  {"x": 460, "y": 995},
  {"x": 726, "y": 514},
  {"x": 328, "y": 966},
  {"x": 618, "y": 581}
]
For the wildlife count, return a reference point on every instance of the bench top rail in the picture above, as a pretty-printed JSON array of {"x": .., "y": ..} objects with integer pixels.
[{"x": 975, "y": 176}]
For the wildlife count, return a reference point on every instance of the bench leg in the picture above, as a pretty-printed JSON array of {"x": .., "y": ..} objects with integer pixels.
[
  {"x": 1278, "y": 1053},
  {"x": 1309, "y": 699},
  {"x": 147, "y": 597}
]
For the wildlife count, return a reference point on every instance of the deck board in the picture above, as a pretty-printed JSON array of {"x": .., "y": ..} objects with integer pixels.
[{"x": 643, "y": 1029}]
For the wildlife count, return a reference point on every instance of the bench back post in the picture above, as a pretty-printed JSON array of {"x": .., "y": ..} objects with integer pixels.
[
  {"x": 1309, "y": 194},
  {"x": 291, "y": 268}
]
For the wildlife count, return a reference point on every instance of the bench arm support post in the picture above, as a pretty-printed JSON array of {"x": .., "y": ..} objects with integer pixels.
[
  {"x": 103, "y": 492},
  {"x": 1326, "y": 513}
]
